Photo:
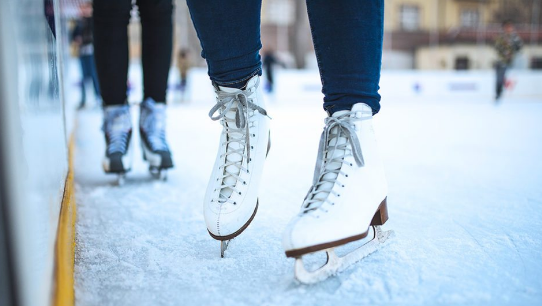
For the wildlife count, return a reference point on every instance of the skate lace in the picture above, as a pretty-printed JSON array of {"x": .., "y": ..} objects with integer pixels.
[
  {"x": 152, "y": 122},
  {"x": 344, "y": 127},
  {"x": 244, "y": 109},
  {"x": 117, "y": 126}
]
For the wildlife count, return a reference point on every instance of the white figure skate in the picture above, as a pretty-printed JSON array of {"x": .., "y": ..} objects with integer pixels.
[
  {"x": 117, "y": 127},
  {"x": 347, "y": 201},
  {"x": 231, "y": 200}
]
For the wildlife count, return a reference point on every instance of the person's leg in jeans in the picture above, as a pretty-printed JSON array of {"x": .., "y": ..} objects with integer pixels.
[
  {"x": 111, "y": 54},
  {"x": 501, "y": 74},
  {"x": 94, "y": 76},
  {"x": 229, "y": 32},
  {"x": 156, "y": 44},
  {"x": 84, "y": 76},
  {"x": 347, "y": 37},
  {"x": 89, "y": 73},
  {"x": 347, "y": 200}
]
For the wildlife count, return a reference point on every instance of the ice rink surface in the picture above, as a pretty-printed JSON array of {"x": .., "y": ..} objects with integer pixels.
[{"x": 465, "y": 202}]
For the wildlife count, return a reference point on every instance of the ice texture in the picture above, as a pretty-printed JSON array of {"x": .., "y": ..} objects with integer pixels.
[{"x": 465, "y": 200}]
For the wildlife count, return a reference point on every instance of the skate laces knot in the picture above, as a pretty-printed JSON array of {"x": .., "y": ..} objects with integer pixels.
[
  {"x": 117, "y": 127},
  {"x": 244, "y": 108},
  {"x": 329, "y": 154},
  {"x": 153, "y": 125}
]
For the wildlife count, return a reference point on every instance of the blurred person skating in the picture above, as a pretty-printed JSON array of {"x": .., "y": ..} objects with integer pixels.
[
  {"x": 183, "y": 65},
  {"x": 111, "y": 20},
  {"x": 82, "y": 37},
  {"x": 507, "y": 45},
  {"x": 269, "y": 62},
  {"x": 347, "y": 200}
]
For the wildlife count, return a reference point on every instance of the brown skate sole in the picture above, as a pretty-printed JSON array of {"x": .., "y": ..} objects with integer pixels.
[
  {"x": 380, "y": 217},
  {"x": 237, "y": 233}
]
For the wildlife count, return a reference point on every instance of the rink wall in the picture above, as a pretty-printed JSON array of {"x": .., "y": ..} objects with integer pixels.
[
  {"x": 37, "y": 208},
  {"x": 434, "y": 86}
]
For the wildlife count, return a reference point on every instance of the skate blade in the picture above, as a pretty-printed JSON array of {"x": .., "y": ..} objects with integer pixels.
[
  {"x": 158, "y": 174},
  {"x": 121, "y": 179},
  {"x": 223, "y": 247},
  {"x": 336, "y": 264}
]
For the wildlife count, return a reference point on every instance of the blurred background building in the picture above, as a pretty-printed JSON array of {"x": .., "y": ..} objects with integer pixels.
[
  {"x": 419, "y": 34},
  {"x": 457, "y": 34}
]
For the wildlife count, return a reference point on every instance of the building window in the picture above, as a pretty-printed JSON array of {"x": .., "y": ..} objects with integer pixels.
[
  {"x": 462, "y": 63},
  {"x": 470, "y": 18},
  {"x": 410, "y": 17}
]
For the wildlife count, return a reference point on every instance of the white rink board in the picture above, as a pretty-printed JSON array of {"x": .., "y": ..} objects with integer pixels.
[
  {"x": 433, "y": 86},
  {"x": 34, "y": 148}
]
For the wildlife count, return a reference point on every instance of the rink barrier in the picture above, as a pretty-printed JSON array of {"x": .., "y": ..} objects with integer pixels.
[{"x": 65, "y": 244}]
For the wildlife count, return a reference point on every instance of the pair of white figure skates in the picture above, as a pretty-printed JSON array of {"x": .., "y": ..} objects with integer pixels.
[{"x": 347, "y": 200}]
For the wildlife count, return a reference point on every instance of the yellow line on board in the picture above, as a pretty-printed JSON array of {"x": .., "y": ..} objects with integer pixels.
[{"x": 65, "y": 243}]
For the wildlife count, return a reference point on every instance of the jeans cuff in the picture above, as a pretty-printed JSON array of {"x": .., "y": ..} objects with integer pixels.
[
  {"x": 373, "y": 104},
  {"x": 241, "y": 81}
]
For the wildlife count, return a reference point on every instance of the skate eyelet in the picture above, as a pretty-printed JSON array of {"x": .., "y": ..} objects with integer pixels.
[
  {"x": 239, "y": 192},
  {"x": 234, "y": 203},
  {"x": 342, "y": 186},
  {"x": 351, "y": 164},
  {"x": 252, "y": 147},
  {"x": 244, "y": 183},
  {"x": 346, "y": 175}
]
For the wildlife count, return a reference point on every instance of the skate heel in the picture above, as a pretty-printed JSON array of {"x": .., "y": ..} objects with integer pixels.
[{"x": 381, "y": 215}]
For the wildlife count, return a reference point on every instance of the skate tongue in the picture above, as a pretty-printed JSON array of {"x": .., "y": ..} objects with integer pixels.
[
  {"x": 340, "y": 113},
  {"x": 239, "y": 143},
  {"x": 331, "y": 165},
  {"x": 335, "y": 150},
  {"x": 118, "y": 117},
  {"x": 233, "y": 157},
  {"x": 251, "y": 82},
  {"x": 356, "y": 108},
  {"x": 228, "y": 89}
]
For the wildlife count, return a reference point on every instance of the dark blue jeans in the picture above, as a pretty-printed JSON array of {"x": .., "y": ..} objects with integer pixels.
[
  {"x": 88, "y": 69},
  {"x": 500, "y": 70},
  {"x": 347, "y": 37}
]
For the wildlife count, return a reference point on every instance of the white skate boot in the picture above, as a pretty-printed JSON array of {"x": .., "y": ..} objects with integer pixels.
[
  {"x": 347, "y": 201},
  {"x": 231, "y": 200},
  {"x": 152, "y": 128},
  {"x": 117, "y": 127}
]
